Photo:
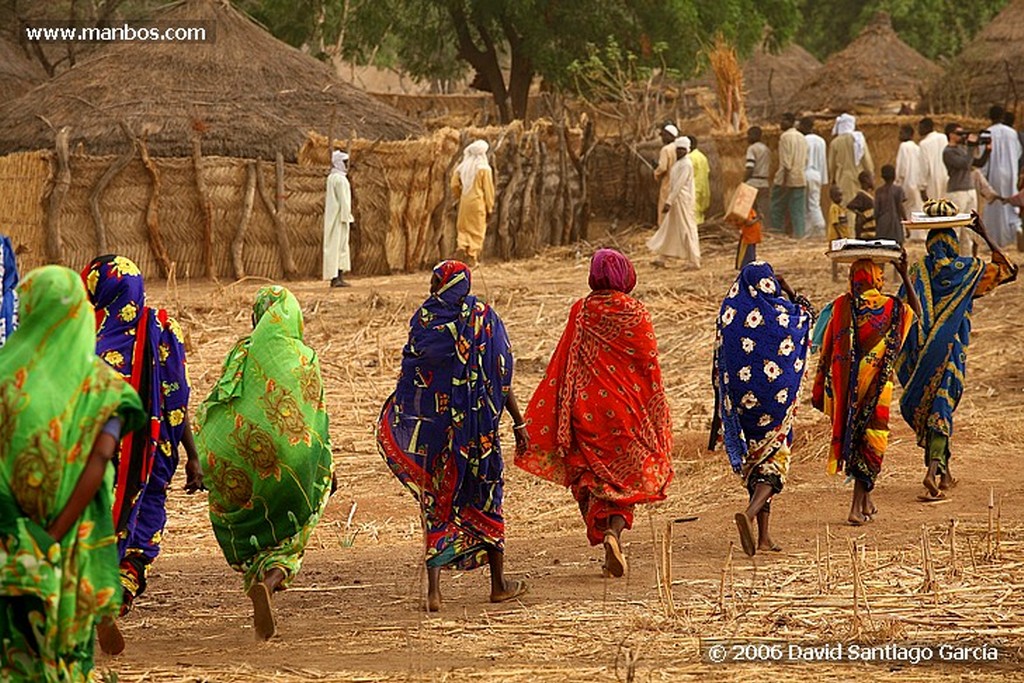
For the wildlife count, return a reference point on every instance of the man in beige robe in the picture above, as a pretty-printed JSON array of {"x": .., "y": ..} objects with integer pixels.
[
  {"x": 666, "y": 158},
  {"x": 677, "y": 234},
  {"x": 473, "y": 183},
  {"x": 848, "y": 157}
]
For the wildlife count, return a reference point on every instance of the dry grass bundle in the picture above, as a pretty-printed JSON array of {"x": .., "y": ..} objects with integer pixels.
[
  {"x": 251, "y": 94},
  {"x": 19, "y": 73},
  {"x": 731, "y": 114}
]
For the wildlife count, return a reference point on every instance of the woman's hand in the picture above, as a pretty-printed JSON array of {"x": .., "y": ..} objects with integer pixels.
[
  {"x": 522, "y": 439},
  {"x": 194, "y": 476}
]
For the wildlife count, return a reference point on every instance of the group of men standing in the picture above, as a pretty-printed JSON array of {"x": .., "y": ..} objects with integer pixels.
[{"x": 963, "y": 167}]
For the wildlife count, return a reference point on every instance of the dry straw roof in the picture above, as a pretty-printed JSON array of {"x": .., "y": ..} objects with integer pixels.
[
  {"x": 991, "y": 67},
  {"x": 19, "y": 73},
  {"x": 248, "y": 93},
  {"x": 876, "y": 73},
  {"x": 771, "y": 80}
]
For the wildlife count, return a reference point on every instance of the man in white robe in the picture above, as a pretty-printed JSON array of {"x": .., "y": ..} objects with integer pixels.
[
  {"x": 337, "y": 222},
  {"x": 816, "y": 175},
  {"x": 908, "y": 174},
  {"x": 1001, "y": 219},
  {"x": 933, "y": 170},
  {"x": 677, "y": 233},
  {"x": 666, "y": 158}
]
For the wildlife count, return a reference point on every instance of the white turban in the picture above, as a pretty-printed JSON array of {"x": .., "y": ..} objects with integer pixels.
[
  {"x": 338, "y": 159},
  {"x": 671, "y": 130},
  {"x": 846, "y": 123},
  {"x": 683, "y": 142},
  {"x": 474, "y": 160}
]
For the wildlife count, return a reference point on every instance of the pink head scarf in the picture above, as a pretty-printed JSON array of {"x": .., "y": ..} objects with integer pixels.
[{"x": 610, "y": 269}]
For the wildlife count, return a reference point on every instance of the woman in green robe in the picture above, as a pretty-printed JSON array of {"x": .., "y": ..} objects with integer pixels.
[
  {"x": 263, "y": 435},
  {"x": 62, "y": 410}
]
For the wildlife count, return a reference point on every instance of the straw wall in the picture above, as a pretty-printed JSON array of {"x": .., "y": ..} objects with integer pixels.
[{"x": 403, "y": 207}]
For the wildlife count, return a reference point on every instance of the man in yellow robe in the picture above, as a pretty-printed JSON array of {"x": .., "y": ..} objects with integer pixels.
[
  {"x": 473, "y": 183},
  {"x": 701, "y": 180}
]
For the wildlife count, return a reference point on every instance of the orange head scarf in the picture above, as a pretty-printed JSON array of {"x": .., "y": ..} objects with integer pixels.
[{"x": 865, "y": 275}]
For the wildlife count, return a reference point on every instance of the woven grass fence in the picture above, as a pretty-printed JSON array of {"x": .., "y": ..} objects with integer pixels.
[{"x": 228, "y": 217}]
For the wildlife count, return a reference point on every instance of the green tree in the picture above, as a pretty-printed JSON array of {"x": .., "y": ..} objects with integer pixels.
[{"x": 509, "y": 42}]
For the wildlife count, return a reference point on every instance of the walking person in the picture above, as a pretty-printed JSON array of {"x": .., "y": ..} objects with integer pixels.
[
  {"x": 677, "y": 234},
  {"x": 763, "y": 335},
  {"x": 853, "y": 384},
  {"x": 599, "y": 421},
  {"x": 789, "y": 188},
  {"x": 473, "y": 184},
  {"x": 666, "y": 157},
  {"x": 438, "y": 432},
  {"x": 62, "y": 410},
  {"x": 934, "y": 176},
  {"x": 909, "y": 172},
  {"x": 933, "y": 364},
  {"x": 147, "y": 347},
  {"x": 263, "y": 434},
  {"x": 337, "y": 258}
]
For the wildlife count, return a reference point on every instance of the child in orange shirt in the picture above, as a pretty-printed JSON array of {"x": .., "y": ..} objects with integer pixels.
[{"x": 750, "y": 237}]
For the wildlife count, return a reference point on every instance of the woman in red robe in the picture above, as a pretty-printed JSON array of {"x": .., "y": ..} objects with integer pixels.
[{"x": 599, "y": 421}]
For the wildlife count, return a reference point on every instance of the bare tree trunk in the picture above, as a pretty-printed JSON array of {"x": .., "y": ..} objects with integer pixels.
[
  {"x": 238, "y": 243},
  {"x": 156, "y": 242},
  {"x": 101, "y": 185},
  {"x": 205, "y": 205},
  {"x": 283, "y": 245},
  {"x": 61, "y": 184}
]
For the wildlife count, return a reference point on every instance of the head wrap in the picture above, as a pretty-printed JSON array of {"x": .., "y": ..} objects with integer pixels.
[
  {"x": 8, "y": 293},
  {"x": 610, "y": 269},
  {"x": 453, "y": 281},
  {"x": 474, "y": 160},
  {"x": 338, "y": 159},
  {"x": 683, "y": 142},
  {"x": 671, "y": 130},
  {"x": 865, "y": 275},
  {"x": 847, "y": 123}
]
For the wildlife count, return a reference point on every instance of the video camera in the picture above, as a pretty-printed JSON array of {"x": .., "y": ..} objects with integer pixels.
[{"x": 984, "y": 137}]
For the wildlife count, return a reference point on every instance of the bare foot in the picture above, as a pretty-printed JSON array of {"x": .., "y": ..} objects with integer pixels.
[
  {"x": 512, "y": 590},
  {"x": 769, "y": 545},
  {"x": 929, "y": 484},
  {"x": 262, "y": 612},
  {"x": 614, "y": 560},
  {"x": 433, "y": 600},
  {"x": 858, "y": 519},
  {"x": 947, "y": 482},
  {"x": 746, "y": 529},
  {"x": 111, "y": 640}
]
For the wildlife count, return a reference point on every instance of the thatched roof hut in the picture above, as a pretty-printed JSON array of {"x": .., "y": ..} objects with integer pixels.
[
  {"x": 771, "y": 80},
  {"x": 876, "y": 73},
  {"x": 249, "y": 94},
  {"x": 19, "y": 73},
  {"x": 989, "y": 70}
]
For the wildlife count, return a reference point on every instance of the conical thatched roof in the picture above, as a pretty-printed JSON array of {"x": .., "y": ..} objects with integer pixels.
[
  {"x": 248, "y": 93},
  {"x": 989, "y": 70},
  {"x": 771, "y": 80},
  {"x": 876, "y": 73},
  {"x": 19, "y": 73}
]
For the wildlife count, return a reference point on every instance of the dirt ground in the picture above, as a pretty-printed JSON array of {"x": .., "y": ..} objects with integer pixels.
[{"x": 355, "y": 612}]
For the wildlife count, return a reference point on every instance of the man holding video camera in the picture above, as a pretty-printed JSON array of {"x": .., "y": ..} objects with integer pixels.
[{"x": 960, "y": 157}]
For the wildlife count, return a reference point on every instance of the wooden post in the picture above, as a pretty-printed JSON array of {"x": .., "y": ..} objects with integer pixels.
[
  {"x": 205, "y": 206},
  {"x": 101, "y": 186},
  {"x": 284, "y": 248},
  {"x": 238, "y": 243},
  {"x": 156, "y": 243},
  {"x": 61, "y": 184}
]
